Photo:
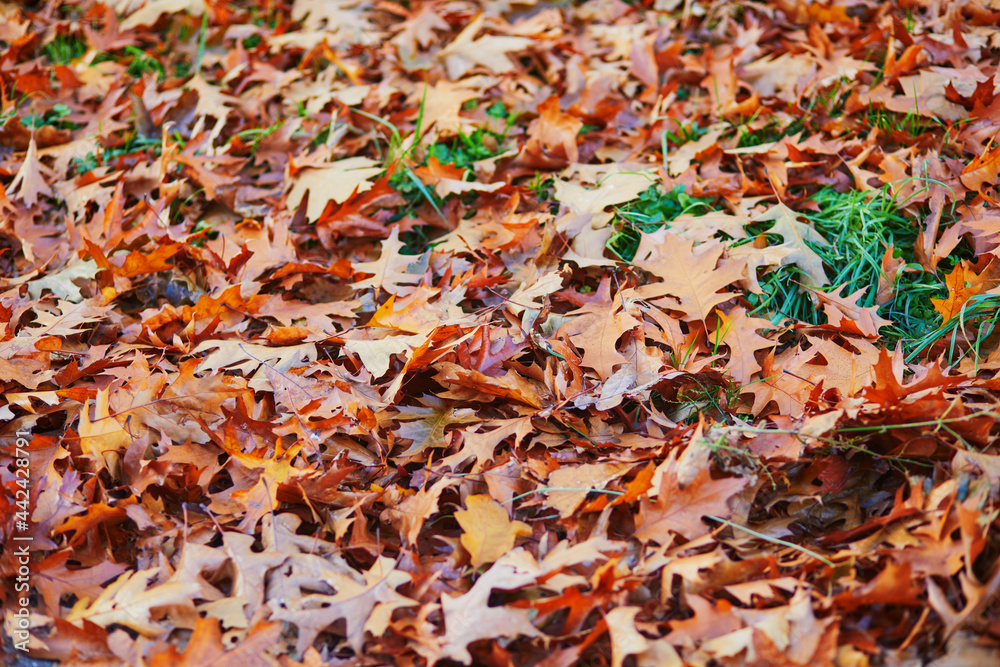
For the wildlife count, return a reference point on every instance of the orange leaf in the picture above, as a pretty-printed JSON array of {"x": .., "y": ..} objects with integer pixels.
[
  {"x": 983, "y": 170},
  {"x": 963, "y": 284}
]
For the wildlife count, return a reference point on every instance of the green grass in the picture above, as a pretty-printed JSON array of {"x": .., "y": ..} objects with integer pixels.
[
  {"x": 465, "y": 149},
  {"x": 53, "y": 117},
  {"x": 462, "y": 152},
  {"x": 965, "y": 333},
  {"x": 859, "y": 227},
  {"x": 910, "y": 123},
  {"x": 653, "y": 209},
  {"x": 64, "y": 49},
  {"x": 143, "y": 62},
  {"x": 772, "y": 131},
  {"x": 135, "y": 144}
]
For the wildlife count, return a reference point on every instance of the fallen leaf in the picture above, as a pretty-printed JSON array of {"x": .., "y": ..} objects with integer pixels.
[{"x": 487, "y": 531}]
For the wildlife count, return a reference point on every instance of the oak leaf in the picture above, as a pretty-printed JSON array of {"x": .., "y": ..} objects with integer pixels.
[
  {"x": 487, "y": 531},
  {"x": 391, "y": 270},
  {"x": 679, "y": 509},
  {"x": 596, "y": 329},
  {"x": 464, "y": 52},
  {"x": 625, "y": 638},
  {"x": 447, "y": 179},
  {"x": 425, "y": 425},
  {"x": 844, "y": 369},
  {"x": 738, "y": 331},
  {"x": 29, "y": 182},
  {"x": 357, "y": 600},
  {"x": 679, "y": 161},
  {"x": 983, "y": 170},
  {"x": 690, "y": 276},
  {"x": 796, "y": 235},
  {"x": 845, "y": 313},
  {"x": 470, "y": 617},
  {"x": 129, "y": 601},
  {"x": 205, "y": 648},
  {"x": 554, "y": 133},
  {"x": 571, "y": 484},
  {"x": 336, "y": 182}
]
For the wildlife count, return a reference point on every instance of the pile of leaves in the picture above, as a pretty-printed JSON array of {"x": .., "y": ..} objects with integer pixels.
[{"x": 536, "y": 333}]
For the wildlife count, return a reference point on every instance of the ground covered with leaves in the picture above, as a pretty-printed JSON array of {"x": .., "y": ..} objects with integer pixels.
[{"x": 505, "y": 333}]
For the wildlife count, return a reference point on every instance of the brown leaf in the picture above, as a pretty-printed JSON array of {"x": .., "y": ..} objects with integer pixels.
[
  {"x": 690, "y": 277},
  {"x": 679, "y": 508}
]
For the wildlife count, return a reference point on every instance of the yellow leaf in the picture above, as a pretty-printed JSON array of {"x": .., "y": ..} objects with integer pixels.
[
  {"x": 488, "y": 533},
  {"x": 103, "y": 434}
]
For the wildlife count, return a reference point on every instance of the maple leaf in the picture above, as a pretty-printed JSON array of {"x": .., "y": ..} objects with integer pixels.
[
  {"x": 689, "y": 275},
  {"x": 487, "y": 531},
  {"x": 963, "y": 284},
  {"x": 795, "y": 235}
]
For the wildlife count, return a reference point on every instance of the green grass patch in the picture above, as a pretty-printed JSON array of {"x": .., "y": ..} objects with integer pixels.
[
  {"x": 64, "y": 49},
  {"x": 465, "y": 149},
  {"x": 651, "y": 210},
  {"x": 53, "y": 117},
  {"x": 860, "y": 227},
  {"x": 134, "y": 146},
  {"x": 143, "y": 62},
  {"x": 911, "y": 123},
  {"x": 772, "y": 131},
  {"x": 462, "y": 151}
]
